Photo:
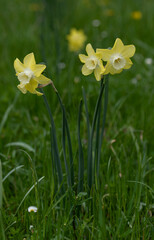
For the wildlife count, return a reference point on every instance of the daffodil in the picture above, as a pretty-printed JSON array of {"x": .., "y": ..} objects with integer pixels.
[
  {"x": 117, "y": 58},
  {"x": 92, "y": 63},
  {"x": 76, "y": 39},
  {"x": 136, "y": 15},
  {"x": 29, "y": 74}
]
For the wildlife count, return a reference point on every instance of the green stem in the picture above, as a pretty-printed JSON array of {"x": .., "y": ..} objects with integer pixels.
[
  {"x": 81, "y": 159},
  {"x": 55, "y": 145},
  {"x": 103, "y": 123},
  {"x": 70, "y": 172}
]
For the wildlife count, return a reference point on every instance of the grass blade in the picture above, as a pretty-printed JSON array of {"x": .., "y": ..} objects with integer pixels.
[
  {"x": 28, "y": 193},
  {"x": 13, "y": 170},
  {"x": 20, "y": 144},
  {"x": 2, "y": 235}
]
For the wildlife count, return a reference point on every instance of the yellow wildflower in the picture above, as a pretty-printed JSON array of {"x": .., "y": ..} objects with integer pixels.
[
  {"x": 29, "y": 74},
  {"x": 136, "y": 15},
  {"x": 117, "y": 58},
  {"x": 92, "y": 63},
  {"x": 76, "y": 39}
]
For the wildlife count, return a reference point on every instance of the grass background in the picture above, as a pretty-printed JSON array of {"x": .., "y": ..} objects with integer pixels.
[{"x": 123, "y": 207}]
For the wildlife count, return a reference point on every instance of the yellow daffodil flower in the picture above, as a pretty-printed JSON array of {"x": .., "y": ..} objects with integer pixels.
[
  {"x": 117, "y": 58},
  {"x": 92, "y": 63},
  {"x": 29, "y": 74},
  {"x": 136, "y": 15},
  {"x": 76, "y": 39}
]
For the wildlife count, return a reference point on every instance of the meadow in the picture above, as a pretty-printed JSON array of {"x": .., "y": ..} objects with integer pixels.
[{"x": 120, "y": 204}]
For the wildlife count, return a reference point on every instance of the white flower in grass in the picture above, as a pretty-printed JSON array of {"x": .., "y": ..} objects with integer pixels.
[
  {"x": 148, "y": 61},
  {"x": 96, "y": 23},
  {"x": 32, "y": 209}
]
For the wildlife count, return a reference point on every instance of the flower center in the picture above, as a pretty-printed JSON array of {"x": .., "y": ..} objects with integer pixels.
[
  {"x": 91, "y": 63},
  {"x": 118, "y": 61},
  {"x": 25, "y": 77}
]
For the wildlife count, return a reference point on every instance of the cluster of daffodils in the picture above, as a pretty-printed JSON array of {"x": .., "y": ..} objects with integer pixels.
[
  {"x": 30, "y": 75},
  {"x": 117, "y": 59}
]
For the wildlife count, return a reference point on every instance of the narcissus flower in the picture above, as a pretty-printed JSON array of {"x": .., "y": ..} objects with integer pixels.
[
  {"x": 92, "y": 63},
  {"x": 76, "y": 39},
  {"x": 29, "y": 74},
  {"x": 136, "y": 15},
  {"x": 117, "y": 58}
]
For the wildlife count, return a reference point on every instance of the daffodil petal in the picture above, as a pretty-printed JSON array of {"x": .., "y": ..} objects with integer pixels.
[
  {"x": 31, "y": 86},
  {"x": 38, "y": 69},
  {"x": 128, "y": 51},
  {"x": 101, "y": 66},
  {"x": 107, "y": 68},
  {"x": 83, "y": 58},
  {"x": 118, "y": 45},
  {"x": 19, "y": 67},
  {"x": 97, "y": 73},
  {"x": 42, "y": 79},
  {"x": 29, "y": 60},
  {"x": 128, "y": 63},
  {"x": 90, "y": 51},
  {"x": 22, "y": 88},
  {"x": 110, "y": 69},
  {"x": 86, "y": 71},
  {"x": 114, "y": 71},
  {"x": 38, "y": 93},
  {"x": 105, "y": 54}
]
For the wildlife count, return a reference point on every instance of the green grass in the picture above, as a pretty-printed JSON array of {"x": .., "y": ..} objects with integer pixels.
[{"x": 121, "y": 207}]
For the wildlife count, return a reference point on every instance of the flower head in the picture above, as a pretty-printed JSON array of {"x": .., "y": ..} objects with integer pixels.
[
  {"x": 117, "y": 58},
  {"x": 136, "y": 15},
  {"x": 29, "y": 74},
  {"x": 32, "y": 209},
  {"x": 92, "y": 63},
  {"x": 76, "y": 39}
]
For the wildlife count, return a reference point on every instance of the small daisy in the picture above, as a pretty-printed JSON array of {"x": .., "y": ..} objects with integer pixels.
[{"x": 32, "y": 209}]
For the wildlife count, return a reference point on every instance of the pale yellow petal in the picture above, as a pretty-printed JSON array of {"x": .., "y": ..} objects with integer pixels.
[
  {"x": 29, "y": 60},
  {"x": 105, "y": 53},
  {"x": 98, "y": 73},
  {"x": 114, "y": 71},
  {"x": 19, "y": 67},
  {"x": 90, "y": 51},
  {"x": 38, "y": 69},
  {"x": 107, "y": 68},
  {"x": 128, "y": 51},
  {"x": 22, "y": 88},
  {"x": 86, "y": 71},
  {"x": 31, "y": 86},
  {"x": 100, "y": 63},
  {"x": 128, "y": 64},
  {"x": 118, "y": 46},
  {"x": 42, "y": 79},
  {"x": 38, "y": 93},
  {"x": 110, "y": 69},
  {"x": 83, "y": 58}
]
